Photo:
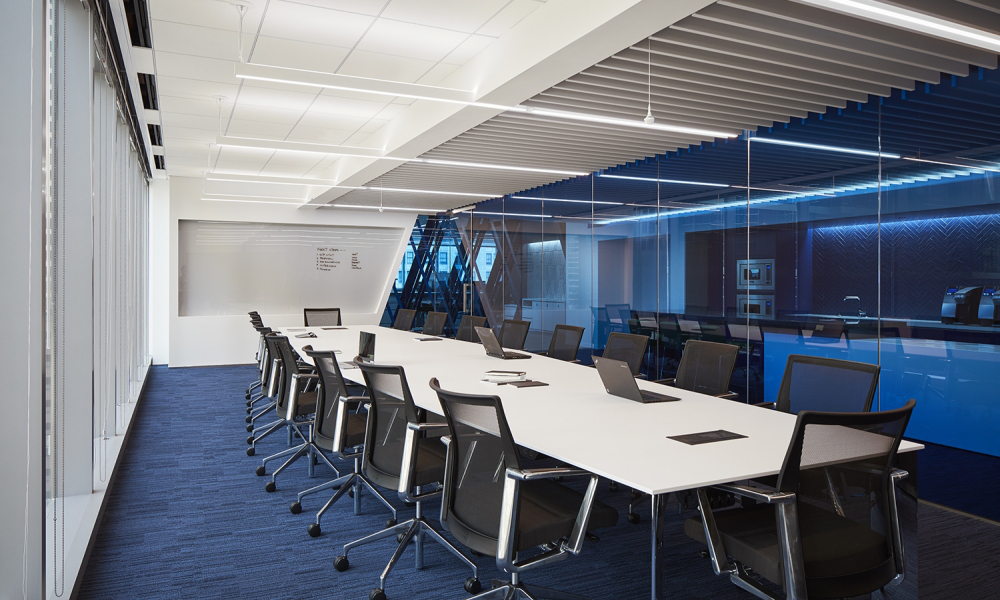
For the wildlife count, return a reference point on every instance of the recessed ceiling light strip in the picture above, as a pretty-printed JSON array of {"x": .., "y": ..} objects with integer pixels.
[
  {"x": 825, "y": 148},
  {"x": 674, "y": 181}
]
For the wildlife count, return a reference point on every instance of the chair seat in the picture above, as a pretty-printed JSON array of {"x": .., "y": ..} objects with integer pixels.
[
  {"x": 549, "y": 510},
  {"x": 842, "y": 558},
  {"x": 356, "y": 426},
  {"x": 306, "y": 404},
  {"x": 430, "y": 461}
]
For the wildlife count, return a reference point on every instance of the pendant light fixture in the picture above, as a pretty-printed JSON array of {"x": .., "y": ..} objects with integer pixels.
[
  {"x": 649, "y": 120},
  {"x": 241, "y": 6}
]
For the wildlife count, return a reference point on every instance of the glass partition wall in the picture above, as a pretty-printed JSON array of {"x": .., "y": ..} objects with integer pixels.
[{"x": 869, "y": 232}]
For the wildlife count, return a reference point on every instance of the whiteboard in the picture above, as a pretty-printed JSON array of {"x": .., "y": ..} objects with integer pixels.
[{"x": 231, "y": 268}]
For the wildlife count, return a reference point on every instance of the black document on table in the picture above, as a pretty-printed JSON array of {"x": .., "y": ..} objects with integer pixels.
[
  {"x": 706, "y": 437},
  {"x": 332, "y": 328},
  {"x": 529, "y": 383},
  {"x": 428, "y": 339}
]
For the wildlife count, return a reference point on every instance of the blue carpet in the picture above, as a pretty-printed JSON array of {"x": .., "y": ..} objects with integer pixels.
[{"x": 187, "y": 518}]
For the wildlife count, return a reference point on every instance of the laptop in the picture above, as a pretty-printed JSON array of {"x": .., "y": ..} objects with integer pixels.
[
  {"x": 618, "y": 381},
  {"x": 493, "y": 347},
  {"x": 366, "y": 347}
]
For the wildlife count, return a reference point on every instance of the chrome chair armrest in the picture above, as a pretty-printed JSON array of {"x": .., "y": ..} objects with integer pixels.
[
  {"x": 509, "y": 517},
  {"x": 408, "y": 472},
  {"x": 293, "y": 392},
  {"x": 340, "y": 429},
  {"x": 897, "y": 475},
  {"x": 760, "y": 495},
  {"x": 771, "y": 405},
  {"x": 729, "y": 396},
  {"x": 669, "y": 381}
]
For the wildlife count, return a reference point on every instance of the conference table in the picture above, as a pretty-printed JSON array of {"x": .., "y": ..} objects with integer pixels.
[{"x": 574, "y": 420}]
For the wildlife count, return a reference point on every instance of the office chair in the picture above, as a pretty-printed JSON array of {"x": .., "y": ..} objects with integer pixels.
[
  {"x": 340, "y": 428},
  {"x": 494, "y": 507},
  {"x": 271, "y": 369},
  {"x": 619, "y": 315},
  {"x": 826, "y": 384},
  {"x": 297, "y": 398},
  {"x": 321, "y": 317},
  {"x": 627, "y": 347},
  {"x": 513, "y": 333},
  {"x": 258, "y": 324},
  {"x": 706, "y": 368},
  {"x": 467, "y": 328},
  {"x": 404, "y": 319},
  {"x": 565, "y": 342},
  {"x": 260, "y": 358},
  {"x": 400, "y": 455},
  {"x": 832, "y": 535},
  {"x": 434, "y": 323}
]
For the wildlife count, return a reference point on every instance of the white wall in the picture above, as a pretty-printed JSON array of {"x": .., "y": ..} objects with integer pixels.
[
  {"x": 159, "y": 271},
  {"x": 223, "y": 340}
]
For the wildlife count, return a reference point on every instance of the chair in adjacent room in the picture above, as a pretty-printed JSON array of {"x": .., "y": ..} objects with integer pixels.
[
  {"x": 493, "y": 506},
  {"x": 434, "y": 323},
  {"x": 296, "y": 400},
  {"x": 834, "y": 534},
  {"x": 565, "y": 342},
  {"x": 321, "y": 317},
  {"x": 627, "y": 347},
  {"x": 467, "y": 328},
  {"x": 402, "y": 453},
  {"x": 340, "y": 428},
  {"x": 514, "y": 333},
  {"x": 826, "y": 384},
  {"x": 404, "y": 319}
]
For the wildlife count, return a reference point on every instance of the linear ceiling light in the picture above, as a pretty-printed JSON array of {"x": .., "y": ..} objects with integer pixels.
[
  {"x": 382, "y": 208},
  {"x": 507, "y": 214},
  {"x": 575, "y": 116},
  {"x": 991, "y": 169},
  {"x": 292, "y": 203},
  {"x": 373, "y": 153},
  {"x": 566, "y": 200},
  {"x": 824, "y": 148},
  {"x": 912, "y": 20},
  {"x": 382, "y": 87},
  {"x": 349, "y": 83},
  {"x": 235, "y": 178},
  {"x": 675, "y": 181}
]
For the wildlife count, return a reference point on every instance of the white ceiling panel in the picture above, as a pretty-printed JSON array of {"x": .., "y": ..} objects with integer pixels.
[
  {"x": 200, "y": 68},
  {"x": 473, "y": 45},
  {"x": 194, "y": 88},
  {"x": 257, "y": 129},
  {"x": 411, "y": 40},
  {"x": 253, "y": 112},
  {"x": 365, "y": 7},
  {"x": 335, "y": 103},
  {"x": 211, "y": 13},
  {"x": 331, "y": 121},
  {"x": 206, "y": 107},
  {"x": 210, "y": 123},
  {"x": 437, "y": 73},
  {"x": 319, "y": 135},
  {"x": 274, "y": 98},
  {"x": 297, "y": 54},
  {"x": 511, "y": 15},
  {"x": 458, "y": 15},
  {"x": 196, "y": 40},
  {"x": 382, "y": 66},
  {"x": 307, "y": 23}
]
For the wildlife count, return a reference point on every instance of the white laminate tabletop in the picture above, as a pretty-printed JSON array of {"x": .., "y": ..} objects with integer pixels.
[{"x": 574, "y": 420}]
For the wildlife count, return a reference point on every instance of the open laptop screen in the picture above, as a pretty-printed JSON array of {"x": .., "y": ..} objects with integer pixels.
[{"x": 366, "y": 347}]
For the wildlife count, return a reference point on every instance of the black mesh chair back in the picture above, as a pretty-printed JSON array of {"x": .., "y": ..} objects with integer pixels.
[
  {"x": 706, "y": 367},
  {"x": 565, "y": 342},
  {"x": 391, "y": 407},
  {"x": 434, "y": 323},
  {"x": 481, "y": 452},
  {"x": 272, "y": 355},
  {"x": 827, "y": 384},
  {"x": 332, "y": 388},
  {"x": 839, "y": 466},
  {"x": 404, "y": 319},
  {"x": 289, "y": 367},
  {"x": 513, "y": 334},
  {"x": 627, "y": 347},
  {"x": 321, "y": 317},
  {"x": 467, "y": 328}
]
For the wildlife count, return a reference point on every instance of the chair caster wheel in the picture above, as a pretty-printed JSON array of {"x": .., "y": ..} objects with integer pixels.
[
  {"x": 376, "y": 594},
  {"x": 633, "y": 518},
  {"x": 249, "y": 439},
  {"x": 270, "y": 487},
  {"x": 260, "y": 471},
  {"x": 474, "y": 553},
  {"x": 350, "y": 492},
  {"x": 314, "y": 531},
  {"x": 250, "y": 426},
  {"x": 249, "y": 410},
  {"x": 247, "y": 395},
  {"x": 341, "y": 563},
  {"x": 390, "y": 523},
  {"x": 251, "y": 451},
  {"x": 634, "y": 495},
  {"x": 613, "y": 486},
  {"x": 473, "y": 586},
  {"x": 399, "y": 537},
  {"x": 295, "y": 507}
]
